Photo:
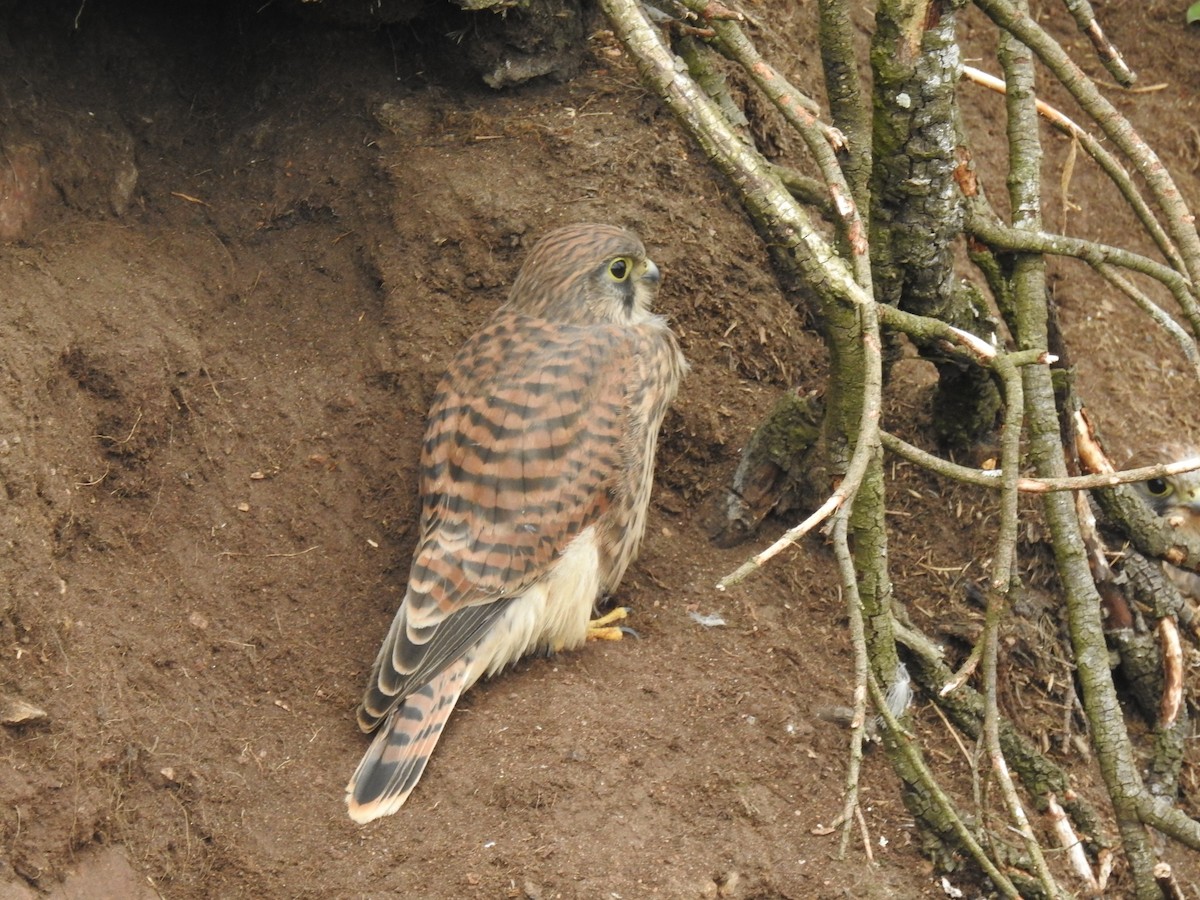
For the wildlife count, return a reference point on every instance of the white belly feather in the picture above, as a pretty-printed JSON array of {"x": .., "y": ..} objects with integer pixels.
[{"x": 549, "y": 616}]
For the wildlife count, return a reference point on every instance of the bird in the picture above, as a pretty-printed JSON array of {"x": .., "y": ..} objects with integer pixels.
[
  {"x": 535, "y": 478},
  {"x": 1177, "y": 499}
]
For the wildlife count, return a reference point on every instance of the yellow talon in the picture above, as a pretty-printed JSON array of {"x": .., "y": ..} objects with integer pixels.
[{"x": 602, "y": 629}]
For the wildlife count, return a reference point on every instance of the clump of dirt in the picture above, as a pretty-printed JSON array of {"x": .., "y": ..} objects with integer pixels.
[{"x": 242, "y": 248}]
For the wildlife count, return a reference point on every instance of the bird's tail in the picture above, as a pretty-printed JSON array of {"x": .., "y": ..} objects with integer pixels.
[{"x": 393, "y": 763}]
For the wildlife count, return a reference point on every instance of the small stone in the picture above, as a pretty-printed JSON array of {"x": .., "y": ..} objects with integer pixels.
[{"x": 15, "y": 711}]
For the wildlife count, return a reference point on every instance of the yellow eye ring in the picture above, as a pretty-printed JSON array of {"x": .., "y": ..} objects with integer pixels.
[
  {"x": 620, "y": 268},
  {"x": 1158, "y": 487}
]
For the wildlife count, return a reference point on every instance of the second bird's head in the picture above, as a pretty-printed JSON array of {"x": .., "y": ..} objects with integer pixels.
[
  {"x": 1172, "y": 495},
  {"x": 1176, "y": 497},
  {"x": 587, "y": 274}
]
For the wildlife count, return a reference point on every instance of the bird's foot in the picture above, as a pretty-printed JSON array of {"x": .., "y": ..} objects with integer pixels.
[{"x": 603, "y": 629}]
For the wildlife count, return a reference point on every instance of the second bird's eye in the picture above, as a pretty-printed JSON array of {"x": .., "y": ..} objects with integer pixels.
[
  {"x": 1158, "y": 487},
  {"x": 619, "y": 268}
]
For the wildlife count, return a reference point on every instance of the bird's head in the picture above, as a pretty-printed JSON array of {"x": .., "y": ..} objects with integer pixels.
[
  {"x": 587, "y": 274},
  {"x": 1174, "y": 496},
  {"x": 1172, "y": 493}
]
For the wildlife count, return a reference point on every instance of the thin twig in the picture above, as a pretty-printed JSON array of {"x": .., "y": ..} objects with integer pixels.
[
  {"x": 991, "y": 478},
  {"x": 841, "y": 549},
  {"x": 953, "y": 732},
  {"x": 1060, "y": 824},
  {"x": 1182, "y": 339},
  {"x": 866, "y": 834},
  {"x": 1109, "y": 55},
  {"x": 793, "y": 534},
  {"x": 129, "y": 437},
  {"x": 290, "y": 555}
]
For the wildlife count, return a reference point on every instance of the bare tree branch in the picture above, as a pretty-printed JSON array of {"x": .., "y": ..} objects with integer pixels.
[
  {"x": 1112, "y": 167},
  {"x": 915, "y": 43},
  {"x": 1181, "y": 225}
]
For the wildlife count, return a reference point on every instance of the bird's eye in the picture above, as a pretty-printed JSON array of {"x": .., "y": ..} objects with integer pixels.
[
  {"x": 620, "y": 268},
  {"x": 1158, "y": 487}
]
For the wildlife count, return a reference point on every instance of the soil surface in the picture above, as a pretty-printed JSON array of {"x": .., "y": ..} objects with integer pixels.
[{"x": 241, "y": 246}]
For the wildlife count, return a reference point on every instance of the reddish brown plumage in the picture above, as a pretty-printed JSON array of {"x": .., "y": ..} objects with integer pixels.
[{"x": 541, "y": 435}]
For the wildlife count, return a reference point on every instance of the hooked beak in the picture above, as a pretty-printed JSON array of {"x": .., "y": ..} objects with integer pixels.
[{"x": 651, "y": 273}]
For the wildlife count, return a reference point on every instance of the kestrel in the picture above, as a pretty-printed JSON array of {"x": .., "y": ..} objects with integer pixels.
[
  {"x": 1177, "y": 499},
  {"x": 535, "y": 481}
]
